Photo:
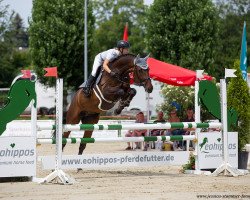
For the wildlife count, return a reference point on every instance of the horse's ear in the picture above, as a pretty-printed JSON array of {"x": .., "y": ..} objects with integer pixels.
[
  {"x": 136, "y": 58},
  {"x": 147, "y": 57}
]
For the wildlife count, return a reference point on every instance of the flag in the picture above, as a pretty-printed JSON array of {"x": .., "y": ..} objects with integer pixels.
[
  {"x": 26, "y": 74},
  {"x": 230, "y": 73},
  {"x": 51, "y": 71},
  {"x": 243, "y": 55},
  {"x": 125, "y": 34}
]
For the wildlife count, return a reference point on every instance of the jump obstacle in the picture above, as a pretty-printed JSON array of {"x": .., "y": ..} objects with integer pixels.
[
  {"x": 87, "y": 127},
  {"x": 60, "y": 128},
  {"x": 119, "y": 139},
  {"x": 225, "y": 167}
]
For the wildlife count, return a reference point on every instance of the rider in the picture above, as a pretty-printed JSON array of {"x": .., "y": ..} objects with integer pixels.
[{"x": 102, "y": 59}]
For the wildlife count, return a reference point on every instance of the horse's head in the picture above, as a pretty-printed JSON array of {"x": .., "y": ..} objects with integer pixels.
[
  {"x": 141, "y": 73},
  {"x": 128, "y": 63}
]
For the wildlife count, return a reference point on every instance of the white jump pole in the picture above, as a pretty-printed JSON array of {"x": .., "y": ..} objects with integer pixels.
[
  {"x": 58, "y": 173},
  {"x": 148, "y": 118},
  {"x": 34, "y": 133},
  {"x": 59, "y": 129},
  {"x": 199, "y": 75},
  {"x": 225, "y": 166},
  {"x": 198, "y": 130}
]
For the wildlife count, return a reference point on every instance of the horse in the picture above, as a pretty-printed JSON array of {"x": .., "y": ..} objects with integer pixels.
[{"x": 107, "y": 92}]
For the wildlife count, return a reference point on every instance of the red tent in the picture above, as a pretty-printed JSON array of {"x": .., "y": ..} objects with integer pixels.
[{"x": 172, "y": 74}]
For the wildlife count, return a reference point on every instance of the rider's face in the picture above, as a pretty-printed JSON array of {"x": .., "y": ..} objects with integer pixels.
[{"x": 125, "y": 51}]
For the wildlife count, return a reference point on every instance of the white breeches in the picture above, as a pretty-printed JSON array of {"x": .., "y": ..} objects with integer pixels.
[{"x": 97, "y": 63}]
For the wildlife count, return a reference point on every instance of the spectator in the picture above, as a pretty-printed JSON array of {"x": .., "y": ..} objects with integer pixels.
[
  {"x": 139, "y": 133},
  {"x": 136, "y": 133},
  {"x": 173, "y": 118},
  {"x": 189, "y": 118},
  {"x": 158, "y": 132},
  {"x": 129, "y": 134},
  {"x": 174, "y": 131}
]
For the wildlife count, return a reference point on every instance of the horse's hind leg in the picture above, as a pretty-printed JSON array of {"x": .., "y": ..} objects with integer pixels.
[{"x": 88, "y": 119}]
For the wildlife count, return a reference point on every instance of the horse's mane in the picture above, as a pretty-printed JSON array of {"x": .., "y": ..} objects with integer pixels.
[{"x": 121, "y": 56}]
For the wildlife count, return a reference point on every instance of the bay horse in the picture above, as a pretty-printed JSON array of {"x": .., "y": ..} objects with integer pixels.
[{"x": 108, "y": 91}]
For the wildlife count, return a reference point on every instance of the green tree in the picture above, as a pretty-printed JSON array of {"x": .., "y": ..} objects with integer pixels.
[
  {"x": 233, "y": 7},
  {"x": 239, "y": 98},
  {"x": 12, "y": 59},
  {"x": 183, "y": 33},
  {"x": 17, "y": 33},
  {"x": 232, "y": 16},
  {"x": 111, "y": 17},
  {"x": 57, "y": 38},
  {"x": 7, "y": 73},
  {"x": 3, "y": 17},
  {"x": 4, "y": 49}
]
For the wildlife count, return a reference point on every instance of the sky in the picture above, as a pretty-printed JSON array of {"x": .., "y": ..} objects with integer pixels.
[{"x": 23, "y": 7}]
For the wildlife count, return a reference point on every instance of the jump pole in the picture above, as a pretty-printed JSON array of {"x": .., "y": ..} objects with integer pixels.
[
  {"x": 225, "y": 166},
  {"x": 167, "y": 125},
  {"x": 34, "y": 134},
  {"x": 58, "y": 173},
  {"x": 199, "y": 75},
  {"x": 119, "y": 139}
]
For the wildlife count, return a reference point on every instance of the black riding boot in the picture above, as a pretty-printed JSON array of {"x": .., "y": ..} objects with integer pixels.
[{"x": 88, "y": 87}]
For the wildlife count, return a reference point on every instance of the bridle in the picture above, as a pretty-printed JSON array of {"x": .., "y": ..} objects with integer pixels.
[
  {"x": 135, "y": 72},
  {"x": 141, "y": 82}
]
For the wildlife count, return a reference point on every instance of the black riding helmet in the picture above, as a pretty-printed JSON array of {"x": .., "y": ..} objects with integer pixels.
[{"x": 122, "y": 44}]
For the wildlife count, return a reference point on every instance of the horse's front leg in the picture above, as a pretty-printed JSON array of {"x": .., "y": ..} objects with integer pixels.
[
  {"x": 72, "y": 117},
  {"x": 125, "y": 101},
  {"x": 88, "y": 119}
]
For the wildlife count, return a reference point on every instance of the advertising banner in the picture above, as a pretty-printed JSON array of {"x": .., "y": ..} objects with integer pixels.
[
  {"x": 17, "y": 156},
  {"x": 114, "y": 160},
  {"x": 210, "y": 149}
]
